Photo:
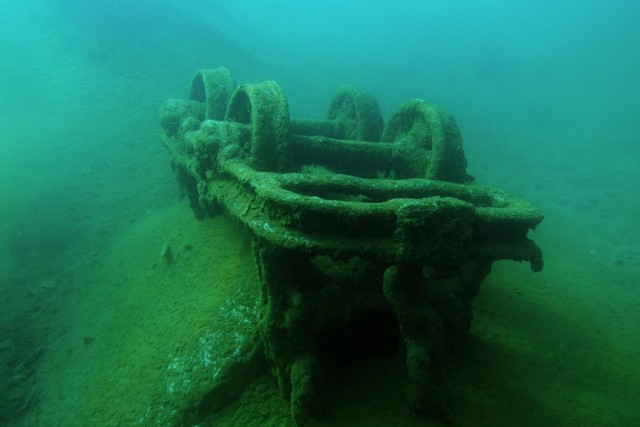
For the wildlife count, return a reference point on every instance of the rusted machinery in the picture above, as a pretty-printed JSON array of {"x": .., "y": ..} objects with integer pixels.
[{"x": 364, "y": 232}]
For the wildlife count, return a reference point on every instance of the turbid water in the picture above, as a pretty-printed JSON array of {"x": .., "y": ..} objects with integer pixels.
[{"x": 97, "y": 325}]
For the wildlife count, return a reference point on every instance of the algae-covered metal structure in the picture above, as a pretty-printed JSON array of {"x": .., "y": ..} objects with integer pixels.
[{"x": 363, "y": 231}]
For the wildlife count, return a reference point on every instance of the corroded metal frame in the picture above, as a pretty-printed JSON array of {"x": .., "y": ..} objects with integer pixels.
[{"x": 353, "y": 222}]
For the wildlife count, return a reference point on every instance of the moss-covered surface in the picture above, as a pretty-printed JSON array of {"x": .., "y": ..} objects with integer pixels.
[{"x": 433, "y": 240}]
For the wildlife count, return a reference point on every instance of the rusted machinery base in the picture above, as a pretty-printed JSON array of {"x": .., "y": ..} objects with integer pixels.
[{"x": 363, "y": 234}]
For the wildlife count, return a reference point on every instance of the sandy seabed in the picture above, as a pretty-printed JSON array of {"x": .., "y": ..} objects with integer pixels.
[{"x": 555, "y": 348}]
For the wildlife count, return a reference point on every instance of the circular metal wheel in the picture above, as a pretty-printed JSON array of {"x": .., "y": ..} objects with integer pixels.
[
  {"x": 358, "y": 112},
  {"x": 213, "y": 87},
  {"x": 264, "y": 107},
  {"x": 433, "y": 131}
]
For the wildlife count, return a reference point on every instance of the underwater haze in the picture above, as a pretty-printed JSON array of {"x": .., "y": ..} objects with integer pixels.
[{"x": 113, "y": 292}]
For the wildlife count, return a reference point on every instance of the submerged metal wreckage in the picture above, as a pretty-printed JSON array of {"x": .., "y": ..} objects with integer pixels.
[{"x": 364, "y": 233}]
